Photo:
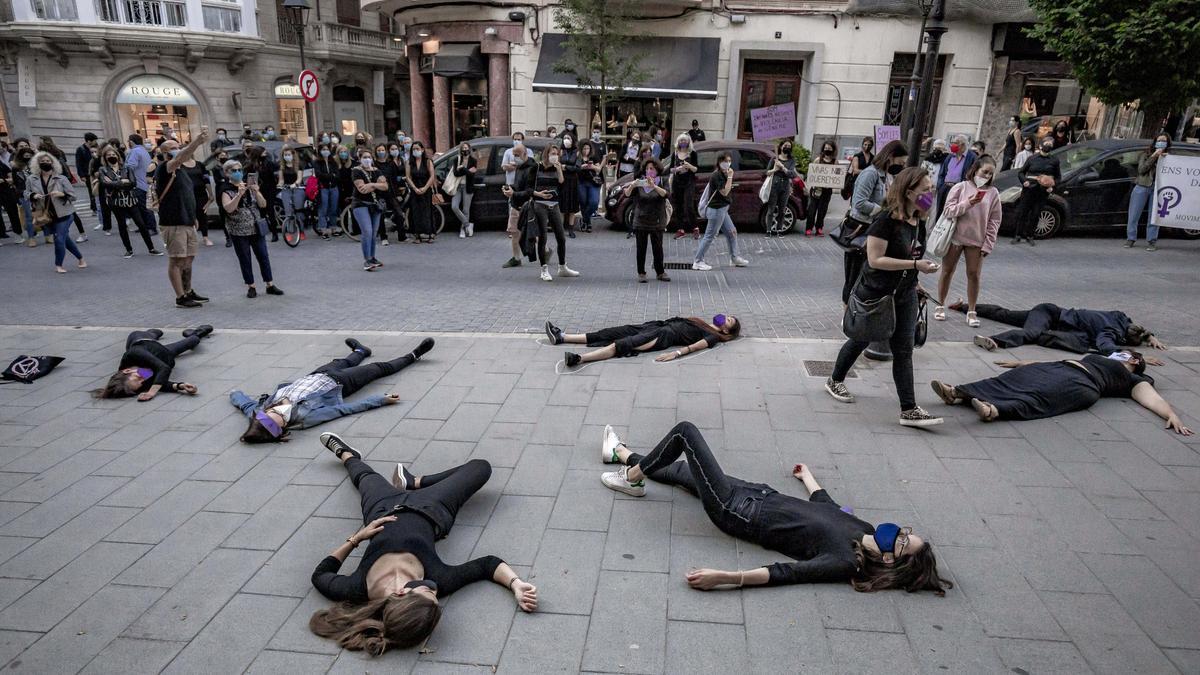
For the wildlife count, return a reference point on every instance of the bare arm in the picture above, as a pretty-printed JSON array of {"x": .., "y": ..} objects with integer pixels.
[
  {"x": 683, "y": 351},
  {"x": 1149, "y": 398},
  {"x": 523, "y": 592},
  {"x": 188, "y": 150}
]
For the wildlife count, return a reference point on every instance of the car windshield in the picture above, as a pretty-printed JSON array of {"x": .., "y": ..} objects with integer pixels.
[{"x": 1075, "y": 157}]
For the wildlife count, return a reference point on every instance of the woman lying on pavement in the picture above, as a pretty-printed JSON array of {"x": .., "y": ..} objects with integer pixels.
[
  {"x": 391, "y": 600},
  {"x": 1035, "y": 390},
  {"x": 689, "y": 334},
  {"x": 146, "y": 365},
  {"x": 828, "y": 543},
  {"x": 317, "y": 397}
]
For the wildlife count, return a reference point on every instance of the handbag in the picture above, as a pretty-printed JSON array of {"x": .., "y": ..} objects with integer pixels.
[
  {"x": 27, "y": 368},
  {"x": 451, "y": 182},
  {"x": 849, "y": 234},
  {"x": 705, "y": 198},
  {"x": 764, "y": 192},
  {"x": 938, "y": 242},
  {"x": 869, "y": 320}
]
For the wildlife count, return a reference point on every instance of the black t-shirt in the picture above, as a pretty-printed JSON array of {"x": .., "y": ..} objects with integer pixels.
[
  {"x": 176, "y": 201},
  {"x": 687, "y": 333},
  {"x": 649, "y": 209},
  {"x": 1112, "y": 377},
  {"x": 368, "y": 176},
  {"x": 904, "y": 242},
  {"x": 681, "y": 180},
  {"x": 715, "y": 182}
]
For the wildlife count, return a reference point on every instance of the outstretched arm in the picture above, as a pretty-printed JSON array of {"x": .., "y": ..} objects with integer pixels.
[
  {"x": 1149, "y": 398},
  {"x": 683, "y": 351},
  {"x": 823, "y": 568}
]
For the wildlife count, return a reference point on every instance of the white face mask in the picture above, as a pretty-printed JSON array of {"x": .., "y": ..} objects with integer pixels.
[
  {"x": 287, "y": 157},
  {"x": 566, "y": 142},
  {"x": 284, "y": 410},
  {"x": 980, "y": 181},
  {"x": 725, "y": 165},
  {"x": 366, "y": 161},
  {"x": 418, "y": 153},
  {"x": 1123, "y": 357}
]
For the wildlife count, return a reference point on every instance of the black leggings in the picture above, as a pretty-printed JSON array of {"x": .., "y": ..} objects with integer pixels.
[
  {"x": 728, "y": 501},
  {"x": 8, "y": 204},
  {"x": 817, "y": 208},
  {"x": 627, "y": 339},
  {"x": 451, "y": 488},
  {"x": 352, "y": 376},
  {"x": 781, "y": 193},
  {"x": 655, "y": 240},
  {"x": 1029, "y": 209},
  {"x": 1032, "y": 324},
  {"x": 683, "y": 204},
  {"x": 176, "y": 348},
  {"x": 135, "y": 214},
  {"x": 549, "y": 217},
  {"x": 901, "y": 343}
]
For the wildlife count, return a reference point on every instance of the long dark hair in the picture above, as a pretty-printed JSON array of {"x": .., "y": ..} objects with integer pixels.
[
  {"x": 257, "y": 433},
  {"x": 412, "y": 156},
  {"x": 378, "y": 625},
  {"x": 1162, "y": 134},
  {"x": 984, "y": 160},
  {"x": 891, "y": 151},
  {"x": 116, "y": 387},
  {"x": 913, "y": 572}
]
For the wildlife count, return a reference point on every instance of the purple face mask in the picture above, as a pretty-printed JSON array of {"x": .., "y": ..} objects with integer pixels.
[
  {"x": 145, "y": 373},
  {"x": 924, "y": 201},
  {"x": 268, "y": 423},
  {"x": 719, "y": 321}
]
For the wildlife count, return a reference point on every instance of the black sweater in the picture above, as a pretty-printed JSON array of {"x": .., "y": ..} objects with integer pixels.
[
  {"x": 817, "y": 533},
  {"x": 152, "y": 355},
  {"x": 1040, "y": 165},
  {"x": 409, "y": 533}
]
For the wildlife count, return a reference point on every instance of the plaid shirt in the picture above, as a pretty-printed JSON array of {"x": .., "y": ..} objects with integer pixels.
[{"x": 309, "y": 385}]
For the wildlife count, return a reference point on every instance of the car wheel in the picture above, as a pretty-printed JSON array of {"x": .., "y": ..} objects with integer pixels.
[
  {"x": 627, "y": 214},
  {"x": 789, "y": 220},
  {"x": 1189, "y": 234},
  {"x": 1049, "y": 223}
]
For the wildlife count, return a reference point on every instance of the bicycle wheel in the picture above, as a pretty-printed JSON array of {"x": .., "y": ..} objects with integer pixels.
[
  {"x": 439, "y": 219},
  {"x": 349, "y": 227},
  {"x": 291, "y": 231}
]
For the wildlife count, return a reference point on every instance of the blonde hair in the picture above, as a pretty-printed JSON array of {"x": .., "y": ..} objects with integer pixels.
[
  {"x": 681, "y": 138},
  {"x": 37, "y": 158}
]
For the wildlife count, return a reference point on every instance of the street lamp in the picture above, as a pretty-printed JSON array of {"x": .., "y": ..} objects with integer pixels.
[
  {"x": 914, "y": 83},
  {"x": 934, "y": 28},
  {"x": 297, "y": 15}
]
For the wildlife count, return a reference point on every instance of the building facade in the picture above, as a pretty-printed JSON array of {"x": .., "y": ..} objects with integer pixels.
[{"x": 115, "y": 67}]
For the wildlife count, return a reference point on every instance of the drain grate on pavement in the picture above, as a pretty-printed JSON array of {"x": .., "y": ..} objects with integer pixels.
[
  {"x": 677, "y": 265},
  {"x": 823, "y": 368}
]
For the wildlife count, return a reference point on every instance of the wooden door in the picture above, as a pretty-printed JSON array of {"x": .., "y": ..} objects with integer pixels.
[{"x": 767, "y": 83}]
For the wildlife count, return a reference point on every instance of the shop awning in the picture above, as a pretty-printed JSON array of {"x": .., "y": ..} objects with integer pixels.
[
  {"x": 678, "y": 67},
  {"x": 1055, "y": 70},
  {"x": 455, "y": 59}
]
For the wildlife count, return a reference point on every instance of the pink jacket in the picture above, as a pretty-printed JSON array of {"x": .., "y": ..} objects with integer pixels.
[{"x": 977, "y": 223}]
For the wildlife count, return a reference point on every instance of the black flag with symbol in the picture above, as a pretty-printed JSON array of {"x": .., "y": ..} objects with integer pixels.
[{"x": 29, "y": 368}]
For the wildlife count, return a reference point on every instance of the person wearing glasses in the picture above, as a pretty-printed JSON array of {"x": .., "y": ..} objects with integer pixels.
[
  {"x": 318, "y": 397},
  {"x": 829, "y": 544},
  {"x": 684, "y": 335}
]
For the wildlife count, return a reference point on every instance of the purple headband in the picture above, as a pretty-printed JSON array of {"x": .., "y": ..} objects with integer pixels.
[{"x": 269, "y": 423}]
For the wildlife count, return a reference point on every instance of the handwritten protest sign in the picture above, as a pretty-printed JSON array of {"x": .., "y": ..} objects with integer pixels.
[
  {"x": 776, "y": 121},
  {"x": 826, "y": 175}
]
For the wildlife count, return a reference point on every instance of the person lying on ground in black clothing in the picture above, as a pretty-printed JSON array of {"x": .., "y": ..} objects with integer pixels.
[
  {"x": 146, "y": 365},
  {"x": 1073, "y": 330},
  {"x": 1035, "y": 390},
  {"x": 391, "y": 600},
  {"x": 689, "y": 334},
  {"x": 828, "y": 542}
]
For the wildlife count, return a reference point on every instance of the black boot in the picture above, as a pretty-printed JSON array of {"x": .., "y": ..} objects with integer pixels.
[
  {"x": 358, "y": 347},
  {"x": 201, "y": 331},
  {"x": 423, "y": 348}
]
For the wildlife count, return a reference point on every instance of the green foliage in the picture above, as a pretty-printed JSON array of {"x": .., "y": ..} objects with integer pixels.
[
  {"x": 1127, "y": 50},
  {"x": 803, "y": 156},
  {"x": 596, "y": 51}
]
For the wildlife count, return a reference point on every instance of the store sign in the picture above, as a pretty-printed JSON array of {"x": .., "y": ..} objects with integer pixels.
[
  {"x": 26, "y": 82},
  {"x": 885, "y": 134},
  {"x": 287, "y": 90},
  {"x": 776, "y": 121},
  {"x": 377, "y": 77},
  {"x": 1177, "y": 193},
  {"x": 826, "y": 175},
  {"x": 155, "y": 90}
]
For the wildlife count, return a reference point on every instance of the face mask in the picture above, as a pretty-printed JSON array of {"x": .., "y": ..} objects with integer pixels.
[
  {"x": 287, "y": 156},
  {"x": 399, "y": 136},
  {"x": 1123, "y": 357},
  {"x": 553, "y": 159},
  {"x": 827, "y": 152},
  {"x": 360, "y": 141},
  {"x": 595, "y": 135},
  {"x": 885, "y": 537},
  {"x": 1160, "y": 145},
  {"x": 45, "y": 166},
  {"x": 324, "y": 139},
  {"x": 924, "y": 201},
  {"x": 148, "y": 145},
  {"x": 685, "y": 145},
  {"x": 725, "y": 166},
  {"x": 651, "y": 174},
  {"x": 635, "y": 139},
  {"x": 382, "y": 154},
  {"x": 980, "y": 181},
  {"x": 325, "y": 154},
  {"x": 344, "y": 155},
  {"x": 284, "y": 410},
  {"x": 221, "y": 135},
  {"x": 173, "y": 153},
  {"x": 365, "y": 161},
  {"x": 427, "y": 583},
  {"x": 719, "y": 320},
  {"x": 113, "y": 160},
  {"x": 418, "y": 153},
  {"x": 658, "y": 137},
  {"x": 517, "y": 142},
  {"x": 894, "y": 169},
  {"x": 1047, "y": 147},
  {"x": 335, "y": 139},
  {"x": 222, "y": 160},
  {"x": 269, "y": 134},
  {"x": 235, "y": 176},
  {"x": 570, "y": 127},
  {"x": 1012, "y": 124},
  {"x": 394, "y": 152},
  {"x": 955, "y": 147},
  {"x": 1028, "y": 148},
  {"x": 566, "y": 142},
  {"x": 407, "y": 145},
  {"x": 146, "y": 373}
]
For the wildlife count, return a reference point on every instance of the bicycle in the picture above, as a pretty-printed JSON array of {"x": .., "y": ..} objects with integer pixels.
[{"x": 350, "y": 228}]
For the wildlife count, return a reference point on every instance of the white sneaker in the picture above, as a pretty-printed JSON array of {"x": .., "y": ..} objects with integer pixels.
[
  {"x": 564, "y": 271},
  {"x": 739, "y": 261},
  {"x": 546, "y": 274},
  {"x": 619, "y": 480},
  {"x": 701, "y": 266},
  {"x": 399, "y": 481},
  {"x": 462, "y": 232},
  {"x": 972, "y": 319},
  {"x": 98, "y": 226},
  {"x": 80, "y": 239},
  {"x": 470, "y": 229},
  {"x": 108, "y": 233},
  {"x": 608, "y": 446}
]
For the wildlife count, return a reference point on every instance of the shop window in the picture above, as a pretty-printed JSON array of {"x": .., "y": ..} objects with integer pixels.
[
  {"x": 55, "y": 10},
  {"x": 897, "y": 105},
  {"x": 222, "y": 19},
  {"x": 767, "y": 83},
  {"x": 624, "y": 114},
  {"x": 349, "y": 12}
]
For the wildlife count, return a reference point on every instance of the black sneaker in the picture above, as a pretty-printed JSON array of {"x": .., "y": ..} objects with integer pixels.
[
  {"x": 375, "y": 262},
  {"x": 512, "y": 262},
  {"x": 554, "y": 333},
  {"x": 357, "y": 346},
  {"x": 185, "y": 301},
  {"x": 155, "y": 251},
  {"x": 228, "y": 243},
  {"x": 251, "y": 292},
  {"x": 128, "y": 254},
  {"x": 572, "y": 359},
  {"x": 201, "y": 331},
  {"x": 337, "y": 446},
  {"x": 368, "y": 267},
  {"x": 274, "y": 290},
  {"x": 423, "y": 348},
  {"x": 196, "y": 296}
]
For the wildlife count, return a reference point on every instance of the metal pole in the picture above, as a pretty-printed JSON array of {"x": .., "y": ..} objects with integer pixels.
[
  {"x": 934, "y": 29},
  {"x": 308, "y": 108},
  {"x": 914, "y": 82}
]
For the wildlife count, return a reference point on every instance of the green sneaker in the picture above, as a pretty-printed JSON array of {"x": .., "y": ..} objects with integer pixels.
[{"x": 512, "y": 262}]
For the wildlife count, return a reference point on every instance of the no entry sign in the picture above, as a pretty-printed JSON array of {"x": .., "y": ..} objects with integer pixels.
[{"x": 308, "y": 85}]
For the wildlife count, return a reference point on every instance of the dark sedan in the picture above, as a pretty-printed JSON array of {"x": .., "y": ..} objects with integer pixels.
[
  {"x": 750, "y": 162},
  {"x": 488, "y": 205},
  {"x": 1097, "y": 177}
]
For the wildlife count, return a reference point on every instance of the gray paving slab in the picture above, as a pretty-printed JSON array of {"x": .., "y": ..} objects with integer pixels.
[{"x": 235, "y": 637}]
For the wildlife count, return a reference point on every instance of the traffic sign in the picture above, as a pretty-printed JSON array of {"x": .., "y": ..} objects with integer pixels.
[{"x": 309, "y": 88}]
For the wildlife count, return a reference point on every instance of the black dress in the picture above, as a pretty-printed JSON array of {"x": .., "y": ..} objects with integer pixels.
[
  {"x": 1041, "y": 390},
  {"x": 674, "y": 332},
  {"x": 420, "y": 206},
  {"x": 568, "y": 192}
]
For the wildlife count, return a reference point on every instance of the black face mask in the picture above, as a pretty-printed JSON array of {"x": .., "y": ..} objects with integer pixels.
[
  {"x": 113, "y": 160},
  {"x": 427, "y": 583},
  {"x": 45, "y": 166},
  {"x": 895, "y": 170}
]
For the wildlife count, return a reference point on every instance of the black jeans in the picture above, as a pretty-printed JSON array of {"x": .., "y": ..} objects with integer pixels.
[
  {"x": 549, "y": 217},
  {"x": 731, "y": 503},
  {"x": 176, "y": 348},
  {"x": 352, "y": 376},
  {"x": 817, "y": 208},
  {"x": 1029, "y": 208},
  {"x": 135, "y": 214},
  {"x": 446, "y": 492},
  {"x": 778, "y": 202},
  {"x": 256, "y": 244},
  {"x": 8, "y": 202},
  {"x": 1033, "y": 323},
  {"x": 852, "y": 264},
  {"x": 655, "y": 240},
  {"x": 683, "y": 204},
  {"x": 901, "y": 343}
]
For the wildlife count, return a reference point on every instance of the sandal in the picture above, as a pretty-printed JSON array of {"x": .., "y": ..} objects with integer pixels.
[
  {"x": 987, "y": 411},
  {"x": 946, "y": 392},
  {"x": 939, "y": 313},
  {"x": 972, "y": 320}
]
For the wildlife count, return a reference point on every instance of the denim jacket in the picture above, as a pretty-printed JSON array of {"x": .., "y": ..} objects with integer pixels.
[{"x": 311, "y": 411}]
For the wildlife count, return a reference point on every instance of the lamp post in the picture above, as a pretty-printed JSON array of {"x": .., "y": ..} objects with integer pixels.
[
  {"x": 297, "y": 15},
  {"x": 934, "y": 28},
  {"x": 914, "y": 82}
]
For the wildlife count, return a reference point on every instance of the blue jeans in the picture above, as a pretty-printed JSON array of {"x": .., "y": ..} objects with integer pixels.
[
  {"x": 327, "y": 209},
  {"x": 1138, "y": 199},
  {"x": 293, "y": 203},
  {"x": 62, "y": 240},
  {"x": 255, "y": 244},
  {"x": 718, "y": 219},
  {"x": 368, "y": 221},
  {"x": 589, "y": 199},
  {"x": 27, "y": 214}
]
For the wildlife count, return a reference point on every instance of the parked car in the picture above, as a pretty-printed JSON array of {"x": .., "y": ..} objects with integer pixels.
[
  {"x": 488, "y": 205},
  {"x": 750, "y": 162},
  {"x": 1097, "y": 177}
]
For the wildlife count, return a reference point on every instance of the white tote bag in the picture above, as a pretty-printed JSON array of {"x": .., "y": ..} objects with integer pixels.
[
  {"x": 939, "y": 237},
  {"x": 764, "y": 192},
  {"x": 450, "y": 183}
]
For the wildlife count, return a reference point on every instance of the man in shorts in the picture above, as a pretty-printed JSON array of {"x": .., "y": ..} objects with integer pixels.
[
  {"x": 514, "y": 158},
  {"x": 177, "y": 216}
]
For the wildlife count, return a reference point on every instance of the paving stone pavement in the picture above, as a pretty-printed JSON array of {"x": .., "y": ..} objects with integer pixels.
[
  {"x": 791, "y": 289},
  {"x": 143, "y": 537}
]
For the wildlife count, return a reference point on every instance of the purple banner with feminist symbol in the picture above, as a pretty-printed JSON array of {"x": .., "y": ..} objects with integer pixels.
[{"x": 775, "y": 121}]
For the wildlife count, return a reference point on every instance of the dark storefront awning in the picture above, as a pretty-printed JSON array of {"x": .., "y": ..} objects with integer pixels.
[
  {"x": 678, "y": 67},
  {"x": 455, "y": 59},
  {"x": 1053, "y": 70}
]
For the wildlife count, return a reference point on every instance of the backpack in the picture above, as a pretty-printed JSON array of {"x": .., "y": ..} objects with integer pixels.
[{"x": 312, "y": 188}]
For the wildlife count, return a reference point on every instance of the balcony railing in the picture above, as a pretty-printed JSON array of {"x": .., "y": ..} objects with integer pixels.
[
  {"x": 335, "y": 36},
  {"x": 164, "y": 13}
]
